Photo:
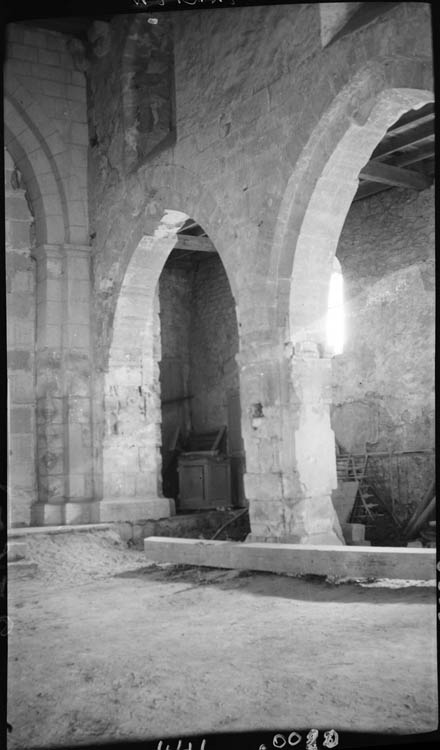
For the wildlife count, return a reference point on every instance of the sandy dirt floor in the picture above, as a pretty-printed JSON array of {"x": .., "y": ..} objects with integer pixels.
[{"x": 105, "y": 645}]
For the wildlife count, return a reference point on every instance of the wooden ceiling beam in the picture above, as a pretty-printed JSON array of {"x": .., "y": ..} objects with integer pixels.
[
  {"x": 191, "y": 242},
  {"x": 413, "y": 157},
  {"x": 366, "y": 189},
  {"x": 391, "y": 143},
  {"x": 394, "y": 176}
]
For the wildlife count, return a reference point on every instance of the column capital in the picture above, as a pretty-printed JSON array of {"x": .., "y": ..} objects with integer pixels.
[
  {"x": 77, "y": 249},
  {"x": 41, "y": 252}
]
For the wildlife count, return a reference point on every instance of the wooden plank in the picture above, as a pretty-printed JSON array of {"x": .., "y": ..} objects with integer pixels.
[
  {"x": 413, "y": 157},
  {"x": 409, "y": 137},
  {"x": 369, "y": 188},
  {"x": 297, "y": 559},
  {"x": 191, "y": 242},
  {"x": 394, "y": 176}
]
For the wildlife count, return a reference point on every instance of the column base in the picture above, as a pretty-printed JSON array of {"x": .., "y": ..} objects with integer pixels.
[
  {"x": 135, "y": 509},
  {"x": 65, "y": 514}
]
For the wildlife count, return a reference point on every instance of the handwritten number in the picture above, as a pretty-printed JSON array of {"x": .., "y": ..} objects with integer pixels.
[
  {"x": 331, "y": 738},
  {"x": 278, "y": 740}
]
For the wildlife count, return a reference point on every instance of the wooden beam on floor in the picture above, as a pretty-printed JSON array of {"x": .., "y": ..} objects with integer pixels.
[
  {"x": 385, "y": 174},
  {"x": 192, "y": 242},
  {"x": 297, "y": 559}
]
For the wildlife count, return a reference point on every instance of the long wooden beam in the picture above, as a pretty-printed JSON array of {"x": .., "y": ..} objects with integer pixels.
[
  {"x": 191, "y": 242},
  {"x": 297, "y": 559},
  {"x": 385, "y": 174},
  {"x": 413, "y": 157},
  {"x": 410, "y": 137}
]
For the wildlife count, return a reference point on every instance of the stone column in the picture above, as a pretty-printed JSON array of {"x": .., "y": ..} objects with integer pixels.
[
  {"x": 63, "y": 374},
  {"x": 290, "y": 453},
  {"x": 314, "y": 447},
  {"x": 80, "y": 506},
  {"x": 50, "y": 401}
]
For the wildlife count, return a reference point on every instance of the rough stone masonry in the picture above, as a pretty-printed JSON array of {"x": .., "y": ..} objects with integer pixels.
[{"x": 254, "y": 124}]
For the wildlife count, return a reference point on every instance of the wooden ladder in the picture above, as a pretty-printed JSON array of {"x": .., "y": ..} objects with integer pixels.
[{"x": 352, "y": 468}]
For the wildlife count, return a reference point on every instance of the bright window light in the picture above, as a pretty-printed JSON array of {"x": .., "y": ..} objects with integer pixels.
[{"x": 335, "y": 312}]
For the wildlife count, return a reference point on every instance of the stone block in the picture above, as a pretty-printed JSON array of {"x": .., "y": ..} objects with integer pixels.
[
  {"x": 79, "y": 134},
  {"x": 49, "y": 336},
  {"x": 146, "y": 483},
  {"x": 296, "y": 559},
  {"x": 48, "y": 57},
  {"x": 79, "y": 313},
  {"x": 20, "y": 419},
  {"x": 77, "y": 93},
  {"x": 24, "y": 52},
  {"x": 84, "y": 512},
  {"x": 50, "y": 73},
  {"x": 262, "y": 486},
  {"x": 22, "y": 387},
  {"x": 47, "y": 514},
  {"x": 17, "y": 234},
  {"x": 22, "y": 476},
  {"x": 19, "y": 360},
  {"x": 132, "y": 509},
  {"x": 78, "y": 336}
]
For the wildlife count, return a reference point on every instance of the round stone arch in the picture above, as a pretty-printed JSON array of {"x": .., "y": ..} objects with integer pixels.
[
  {"x": 320, "y": 190},
  {"x": 40, "y": 153},
  {"x": 316, "y": 202},
  {"x": 131, "y": 461},
  {"x": 26, "y": 144}
]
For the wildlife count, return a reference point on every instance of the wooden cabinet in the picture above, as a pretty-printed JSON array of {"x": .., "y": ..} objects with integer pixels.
[{"x": 204, "y": 481}]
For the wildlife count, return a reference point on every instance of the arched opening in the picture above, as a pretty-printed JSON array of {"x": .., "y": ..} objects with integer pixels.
[
  {"x": 198, "y": 376},
  {"x": 335, "y": 327},
  {"x": 382, "y": 409},
  {"x": 369, "y": 157},
  {"x": 172, "y": 381}
]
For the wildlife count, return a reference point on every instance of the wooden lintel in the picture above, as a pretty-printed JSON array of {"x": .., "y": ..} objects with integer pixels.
[
  {"x": 409, "y": 137},
  {"x": 191, "y": 242},
  {"x": 385, "y": 174}
]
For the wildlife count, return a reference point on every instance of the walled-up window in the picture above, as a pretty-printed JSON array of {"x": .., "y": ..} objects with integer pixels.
[{"x": 335, "y": 311}]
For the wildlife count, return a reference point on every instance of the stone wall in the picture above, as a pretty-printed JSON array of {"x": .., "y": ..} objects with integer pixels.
[
  {"x": 45, "y": 86},
  {"x": 214, "y": 344},
  {"x": 199, "y": 343},
  {"x": 175, "y": 299},
  {"x": 21, "y": 317},
  {"x": 248, "y": 105},
  {"x": 46, "y": 134},
  {"x": 247, "y": 113},
  {"x": 383, "y": 383}
]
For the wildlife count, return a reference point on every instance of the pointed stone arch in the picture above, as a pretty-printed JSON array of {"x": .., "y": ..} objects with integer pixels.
[{"x": 131, "y": 464}]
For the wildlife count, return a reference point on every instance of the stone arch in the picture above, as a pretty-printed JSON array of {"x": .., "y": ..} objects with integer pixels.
[
  {"x": 164, "y": 188},
  {"x": 37, "y": 148},
  {"x": 131, "y": 464},
  {"x": 321, "y": 189}
]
